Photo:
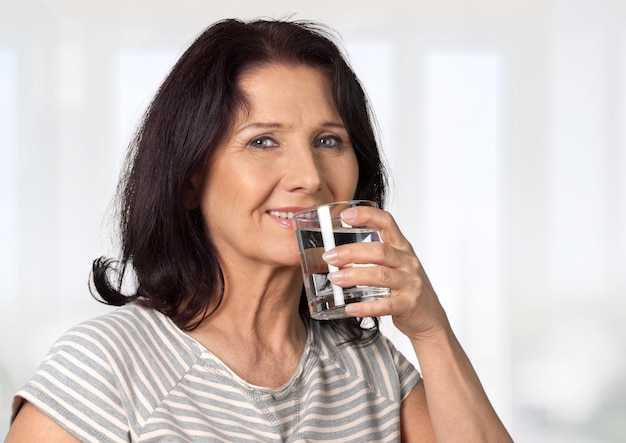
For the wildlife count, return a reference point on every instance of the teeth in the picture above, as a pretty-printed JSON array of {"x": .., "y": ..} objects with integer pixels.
[
  {"x": 290, "y": 215},
  {"x": 287, "y": 215}
]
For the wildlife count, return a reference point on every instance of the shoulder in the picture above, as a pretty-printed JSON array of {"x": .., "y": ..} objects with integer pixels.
[
  {"x": 384, "y": 368},
  {"x": 128, "y": 337},
  {"x": 330, "y": 341},
  {"x": 110, "y": 372}
]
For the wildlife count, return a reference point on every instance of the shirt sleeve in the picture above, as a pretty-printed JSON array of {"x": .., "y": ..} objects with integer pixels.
[
  {"x": 408, "y": 375},
  {"x": 76, "y": 387}
]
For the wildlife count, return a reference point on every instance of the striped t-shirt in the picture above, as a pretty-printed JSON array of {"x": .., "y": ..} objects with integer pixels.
[{"x": 132, "y": 375}]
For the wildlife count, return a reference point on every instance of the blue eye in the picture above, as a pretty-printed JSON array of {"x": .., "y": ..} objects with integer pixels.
[
  {"x": 329, "y": 141},
  {"x": 263, "y": 142}
]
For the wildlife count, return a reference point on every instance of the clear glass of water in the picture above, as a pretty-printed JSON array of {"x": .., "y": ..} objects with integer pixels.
[{"x": 320, "y": 229}]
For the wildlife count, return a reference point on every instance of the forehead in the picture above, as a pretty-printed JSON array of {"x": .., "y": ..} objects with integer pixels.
[
  {"x": 294, "y": 83},
  {"x": 281, "y": 69}
]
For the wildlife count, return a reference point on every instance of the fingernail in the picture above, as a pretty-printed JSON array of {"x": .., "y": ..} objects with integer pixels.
[
  {"x": 353, "y": 308},
  {"x": 336, "y": 277},
  {"x": 329, "y": 255},
  {"x": 348, "y": 214}
]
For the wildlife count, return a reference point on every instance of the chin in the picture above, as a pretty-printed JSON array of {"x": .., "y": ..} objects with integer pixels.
[{"x": 292, "y": 259}]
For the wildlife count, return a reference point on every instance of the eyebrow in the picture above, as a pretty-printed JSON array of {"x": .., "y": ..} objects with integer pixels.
[
  {"x": 261, "y": 125},
  {"x": 258, "y": 126}
]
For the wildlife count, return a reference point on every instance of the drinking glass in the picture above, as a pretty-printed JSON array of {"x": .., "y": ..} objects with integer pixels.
[{"x": 319, "y": 229}]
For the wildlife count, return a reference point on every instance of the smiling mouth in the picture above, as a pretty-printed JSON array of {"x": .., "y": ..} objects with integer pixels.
[
  {"x": 285, "y": 215},
  {"x": 288, "y": 215}
]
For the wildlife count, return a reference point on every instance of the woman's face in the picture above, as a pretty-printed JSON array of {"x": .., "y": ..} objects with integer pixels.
[{"x": 289, "y": 152}]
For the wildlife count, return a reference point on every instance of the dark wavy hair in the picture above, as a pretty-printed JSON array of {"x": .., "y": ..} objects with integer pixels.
[{"x": 165, "y": 252}]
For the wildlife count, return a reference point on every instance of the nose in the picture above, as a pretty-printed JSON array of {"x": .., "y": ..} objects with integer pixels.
[{"x": 303, "y": 172}]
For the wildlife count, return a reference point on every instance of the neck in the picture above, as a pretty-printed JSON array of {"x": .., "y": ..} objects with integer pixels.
[
  {"x": 257, "y": 330},
  {"x": 258, "y": 307}
]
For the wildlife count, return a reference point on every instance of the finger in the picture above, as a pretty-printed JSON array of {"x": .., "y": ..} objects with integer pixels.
[
  {"x": 377, "y": 219},
  {"x": 380, "y": 276},
  {"x": 365, "y": 253},
  {"x": 374, "y": 308}
]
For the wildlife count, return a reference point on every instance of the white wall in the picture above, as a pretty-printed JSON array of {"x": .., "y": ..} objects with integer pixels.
[{"x": 505, "y": 127}]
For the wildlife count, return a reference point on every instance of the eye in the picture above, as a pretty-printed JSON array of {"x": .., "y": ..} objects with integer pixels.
[
  {"x": 329, "y": 141},
  {"x": 263, "y": 142}
]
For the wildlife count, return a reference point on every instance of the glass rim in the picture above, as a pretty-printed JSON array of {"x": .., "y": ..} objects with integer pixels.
[{"x": 354, "y": 202}]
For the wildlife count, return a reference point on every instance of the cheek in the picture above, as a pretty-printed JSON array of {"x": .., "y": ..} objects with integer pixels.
[
  {"x": 355, "y": 175},
  {"x": 228, "y": 181},
  {"x": 349, "y": 175}
]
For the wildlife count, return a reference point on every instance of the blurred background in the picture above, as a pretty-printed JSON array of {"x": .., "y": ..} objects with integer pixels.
[{"x": 504, "y": 126}]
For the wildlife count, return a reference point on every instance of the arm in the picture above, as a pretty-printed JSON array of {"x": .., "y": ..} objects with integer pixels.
[
  {"x": 31, "y": 425},
  {"x": 457, "y": 407},
  {"x": 414, "y": 417}
]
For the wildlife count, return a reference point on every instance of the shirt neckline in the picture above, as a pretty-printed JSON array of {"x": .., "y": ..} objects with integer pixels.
[{"x": 214, "y": 363}]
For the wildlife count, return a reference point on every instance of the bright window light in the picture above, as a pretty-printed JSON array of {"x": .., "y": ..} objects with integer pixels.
[{"x": 8, "y": 177}]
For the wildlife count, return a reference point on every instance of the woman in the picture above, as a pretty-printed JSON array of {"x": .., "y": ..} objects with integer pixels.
[{"x": 214, "y": 343}]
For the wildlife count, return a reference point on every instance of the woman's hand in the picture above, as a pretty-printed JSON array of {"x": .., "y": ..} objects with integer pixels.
[
  {"x": 457, "y": 405},
  {"x": 413, "y": 304}
]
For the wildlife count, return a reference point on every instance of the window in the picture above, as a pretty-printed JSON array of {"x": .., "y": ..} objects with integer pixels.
[
  {"x": 8, "y": 178},
  {"x": 138, "y": 76},
  {"x": 460, "y": 212}
]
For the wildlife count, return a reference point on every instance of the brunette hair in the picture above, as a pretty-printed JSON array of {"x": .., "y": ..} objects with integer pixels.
[{"x": 164, "y": 248}]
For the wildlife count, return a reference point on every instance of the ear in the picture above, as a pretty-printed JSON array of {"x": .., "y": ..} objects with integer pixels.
[{"x": 192, "y": 192}]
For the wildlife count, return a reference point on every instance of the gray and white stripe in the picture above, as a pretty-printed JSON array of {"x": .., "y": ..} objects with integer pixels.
[{"x": 132, "y": 375}]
